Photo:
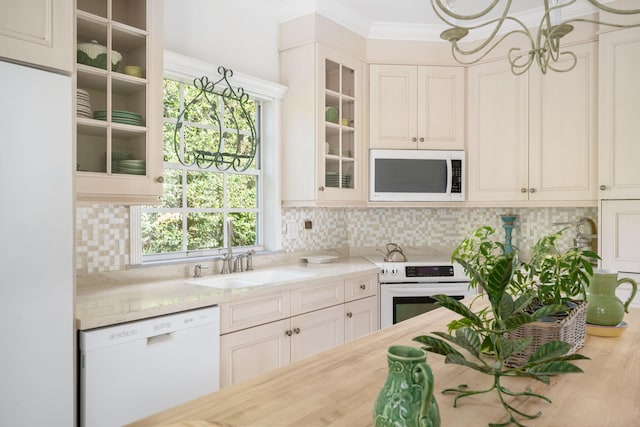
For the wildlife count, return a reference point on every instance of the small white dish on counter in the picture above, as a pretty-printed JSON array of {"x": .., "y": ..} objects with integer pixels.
[{"x": 319, "y": 259}]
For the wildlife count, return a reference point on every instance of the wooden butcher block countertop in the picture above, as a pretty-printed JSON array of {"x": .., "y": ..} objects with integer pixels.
[{"x": 339, "y": 387}]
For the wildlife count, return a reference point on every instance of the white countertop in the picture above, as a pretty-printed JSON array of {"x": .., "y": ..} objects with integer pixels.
[{"x": 104, "y": 305}]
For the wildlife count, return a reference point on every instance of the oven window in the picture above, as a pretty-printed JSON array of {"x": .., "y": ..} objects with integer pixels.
[{"x": 407, "y": 307}]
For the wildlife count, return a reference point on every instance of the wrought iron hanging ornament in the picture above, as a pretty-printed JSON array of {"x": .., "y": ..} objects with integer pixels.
[
  {"x": 220, "y": 155},
  {"x": 543, "y": 43}
]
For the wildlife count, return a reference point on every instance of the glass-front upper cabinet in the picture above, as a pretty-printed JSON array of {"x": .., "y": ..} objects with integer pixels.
[
  {"x": 118, "y": 101},
  {"x": 339, "y": 125},
  {"x": 339, "y": 132}
]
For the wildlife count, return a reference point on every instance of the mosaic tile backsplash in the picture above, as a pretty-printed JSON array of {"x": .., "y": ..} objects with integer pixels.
[{"x": 102, "y": 232}]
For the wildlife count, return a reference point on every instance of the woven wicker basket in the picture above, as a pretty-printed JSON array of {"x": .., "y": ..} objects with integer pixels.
[{"x": 571, "y": 329}]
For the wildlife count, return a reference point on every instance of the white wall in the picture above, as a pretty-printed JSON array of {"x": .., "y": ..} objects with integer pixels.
[{"x": 238, "y": 34}]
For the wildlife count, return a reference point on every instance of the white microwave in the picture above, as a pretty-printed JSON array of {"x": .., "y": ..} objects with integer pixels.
[{"x": 416, "y": 175}]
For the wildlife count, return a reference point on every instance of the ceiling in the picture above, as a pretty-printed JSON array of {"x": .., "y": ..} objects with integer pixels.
[{"x": 398, "y": 19}]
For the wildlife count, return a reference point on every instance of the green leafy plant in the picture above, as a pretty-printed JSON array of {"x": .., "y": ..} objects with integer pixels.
[
  {"x": 555, "y": 276},
  {"x": 483, "y": 336}
]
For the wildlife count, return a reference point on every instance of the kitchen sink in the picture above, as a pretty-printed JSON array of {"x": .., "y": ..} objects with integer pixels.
[{"x": 251, "y": 278}]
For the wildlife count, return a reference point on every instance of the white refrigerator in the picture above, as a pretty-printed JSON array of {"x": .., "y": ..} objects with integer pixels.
[{"x": 36, "y": 255}]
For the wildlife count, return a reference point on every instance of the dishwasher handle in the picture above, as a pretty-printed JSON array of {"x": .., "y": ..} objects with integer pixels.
[{"x": 158, "y": 339}]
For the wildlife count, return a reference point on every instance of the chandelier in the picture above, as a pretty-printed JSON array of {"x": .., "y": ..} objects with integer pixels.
[{"x": 543, "y": 47}]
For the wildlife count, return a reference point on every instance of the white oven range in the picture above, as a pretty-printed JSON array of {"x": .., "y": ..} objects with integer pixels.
[{"x": 406, "y": 287}]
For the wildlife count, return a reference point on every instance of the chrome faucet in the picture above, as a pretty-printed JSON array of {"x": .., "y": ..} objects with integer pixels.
[{"x": 227, "y": 261}]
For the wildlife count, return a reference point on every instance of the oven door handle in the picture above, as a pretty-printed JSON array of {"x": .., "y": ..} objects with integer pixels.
[{"x": 414, "y": 291}]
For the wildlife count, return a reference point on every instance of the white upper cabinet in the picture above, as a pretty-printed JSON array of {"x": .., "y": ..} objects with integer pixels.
[
  {"x": 417, "y": 107},
  {"x": 619, "y": 144},
  {"x": 322, "y": 151},
  {"x": 533, "y": 138},
  {"x": 38, "y": 32},
  {"x": 497, "y": 158},
  {"x": 119, "y": 112},
  {"x": 563, "y": 132}
]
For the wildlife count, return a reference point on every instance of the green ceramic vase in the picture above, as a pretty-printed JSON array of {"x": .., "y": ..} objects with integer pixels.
[
  {"x": 407, "y": 400},
  {"x": 604, "y": 307}
]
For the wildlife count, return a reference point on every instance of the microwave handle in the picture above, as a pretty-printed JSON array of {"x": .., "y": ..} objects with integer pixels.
[{"x": 449, "y": 176}]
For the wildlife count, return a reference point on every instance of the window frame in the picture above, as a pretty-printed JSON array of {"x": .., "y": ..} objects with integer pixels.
[{"x": 185, "y": 69}]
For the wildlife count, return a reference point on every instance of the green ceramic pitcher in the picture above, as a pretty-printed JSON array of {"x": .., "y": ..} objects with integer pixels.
[
  {"x": 605, "y": 308},
  {"x": 406, "y": 399}
]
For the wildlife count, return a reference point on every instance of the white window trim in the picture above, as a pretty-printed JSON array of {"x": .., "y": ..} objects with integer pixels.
[{"x": 185, "y": 69}]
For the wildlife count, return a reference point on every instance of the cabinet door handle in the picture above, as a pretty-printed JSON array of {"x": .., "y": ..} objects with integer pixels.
[
  {"x": 296, "y": 330},
  {"x": 523, "y": 190},
  {"x": 421, "y": 139},
  {"x": 288, "y": 333},
  {"x": 414, "y": 139},
  {"x": 603, "y": 187},
  {"x": 532, "y": 190},
  {"x": 321, "y": 188},
  {"x": 363, "y": 286},
  {"x": 160, "y": 179},
  {"x": 349, "y": 315}
]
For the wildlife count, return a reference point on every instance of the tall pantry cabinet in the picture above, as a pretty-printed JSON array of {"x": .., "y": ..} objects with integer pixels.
[{"x": 619, "y": 180}]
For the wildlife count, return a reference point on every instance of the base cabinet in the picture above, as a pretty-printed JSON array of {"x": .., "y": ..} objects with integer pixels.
[
  {"x": 316, "y": 331},
  {"x": 361, "y": 318},
  {"x": 264, "y": 333},
  {"x": 239, "y": 352},
  {"x": 620, "y": 234}
]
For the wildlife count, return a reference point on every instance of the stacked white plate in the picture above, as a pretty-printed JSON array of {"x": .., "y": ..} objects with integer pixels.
[{"x": 83, "y": 101}]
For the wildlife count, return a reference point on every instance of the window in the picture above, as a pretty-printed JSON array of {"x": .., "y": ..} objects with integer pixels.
[{"x": 197, "y": 202}]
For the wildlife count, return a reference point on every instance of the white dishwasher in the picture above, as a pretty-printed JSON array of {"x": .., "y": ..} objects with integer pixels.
[{"x": 132, "y": 370}]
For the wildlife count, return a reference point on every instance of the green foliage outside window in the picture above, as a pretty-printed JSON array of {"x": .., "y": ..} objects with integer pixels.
[{"x": 196, "y": 202}]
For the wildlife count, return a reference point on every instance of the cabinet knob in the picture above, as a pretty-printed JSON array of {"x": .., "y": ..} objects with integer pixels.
[
  {"x": 296, "y": 330},
  {"x": 321, "y": 189},
  {"x": 414, "y": 139},
  {"x": 363, "y": 286},
  {"x": 532, "y": 190},
  {"x": 603, "y": 187},
  {"x": 421, "y": 139},
  {"x": 160, "y": 179},
  {"x": 288, "y": 333},
  {"x": 523, "y": 190},
  {"x": 349, "y": 315}
]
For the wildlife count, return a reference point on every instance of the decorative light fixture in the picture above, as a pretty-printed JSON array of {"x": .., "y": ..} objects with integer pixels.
[{"x": 543, "y": 47}]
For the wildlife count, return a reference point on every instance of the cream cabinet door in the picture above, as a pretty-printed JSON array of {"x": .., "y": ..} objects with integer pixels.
[
  {"x": 317, "y": 331},
  {"x": 497, "y": 149},
  {"x": 563, "y": 130},
  {"x": 393, "y": 108},
  {"x": 250, "y": 352},
  {"x": 361, "y": 317},
  {"x": 620, "y": 235},
  {"x": 38, "y": 32},
  {"x": 417, "y": 107},
  {"x": 315, "y": 297},
  {"x": 247, "y": 312},
  {"x": 619, "y": 122},
  {"x": 440, "y": 108},
  {"x": 360, "y": 287}
]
